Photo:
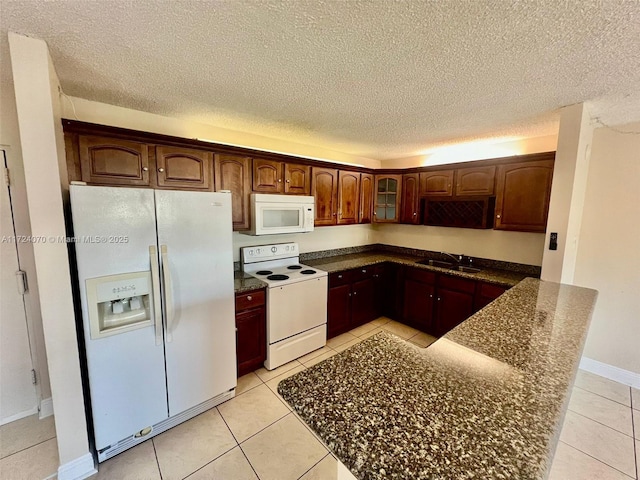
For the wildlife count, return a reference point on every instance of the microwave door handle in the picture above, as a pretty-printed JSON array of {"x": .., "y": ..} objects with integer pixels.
[
  {"x": 168, "y": 292},
  {"x": 155, "y": 294}
]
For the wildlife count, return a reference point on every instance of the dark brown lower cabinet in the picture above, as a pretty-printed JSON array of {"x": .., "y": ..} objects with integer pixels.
[
  {"x": 251, "y": 335},
  {"x": 485, "y": 294},
  {"x": 419, "y": 291},
  {"x": 351, "y": 300},
  {"x": 454, "y": 302}
]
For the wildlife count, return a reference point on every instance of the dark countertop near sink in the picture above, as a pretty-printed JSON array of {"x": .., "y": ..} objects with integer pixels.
[
  {"x": 339, "y": 263},
  {"x": 486, "y": 401},
  {"x": 244, "y": 283}
]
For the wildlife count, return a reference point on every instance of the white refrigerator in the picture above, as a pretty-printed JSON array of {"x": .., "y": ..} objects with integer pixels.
[{"x": 155, "y": 272}]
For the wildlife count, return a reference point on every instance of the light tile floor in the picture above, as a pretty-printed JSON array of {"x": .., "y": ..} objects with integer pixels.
[{"x": 257, "y": 436}]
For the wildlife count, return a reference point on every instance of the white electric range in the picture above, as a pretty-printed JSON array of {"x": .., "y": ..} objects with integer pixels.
[{"x": 296, "y": 301}]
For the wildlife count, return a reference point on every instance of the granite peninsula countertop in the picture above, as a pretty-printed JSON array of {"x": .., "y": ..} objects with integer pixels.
[
  {"x": 486, "y": 401},
  {"x": 339, "y": 263}
]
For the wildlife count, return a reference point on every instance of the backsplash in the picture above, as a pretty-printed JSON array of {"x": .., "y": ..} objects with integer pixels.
[{"x": 530, "y": 270}]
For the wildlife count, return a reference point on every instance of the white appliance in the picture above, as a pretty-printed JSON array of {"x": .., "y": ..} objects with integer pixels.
[
  {"x": 274, "y": 214},
  {"x": 296, "y": 301},
  {"x": 155, "y": 271}
]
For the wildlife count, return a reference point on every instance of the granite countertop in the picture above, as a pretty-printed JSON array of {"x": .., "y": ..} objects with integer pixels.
[
  {"x": 505, "y": 278},
  {"x": 486, "y": 401},
  {"x": 243, "y": 282}
]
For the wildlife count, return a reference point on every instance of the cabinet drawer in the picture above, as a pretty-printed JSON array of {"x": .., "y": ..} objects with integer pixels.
[
  {"x": 340, "y": 278},
  {"x": 458, "y": 284},
  {"x": 251, "y": 299},
  {"x": 363, "y": 272},
  {"x": 490, "y": 291},
  {"x": 420, "y": 275}
]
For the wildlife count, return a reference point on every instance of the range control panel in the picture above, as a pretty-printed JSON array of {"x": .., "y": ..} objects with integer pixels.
[{"x": 261, "y": 253}]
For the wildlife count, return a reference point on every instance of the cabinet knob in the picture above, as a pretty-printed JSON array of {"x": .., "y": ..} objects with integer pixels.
[
  {"x": 355, "y": 293},
  {"x": 249, "y": 298},
  {"x": 376, "y": 276},
  {"x": 145, "y": 169},
  {"x": 349, "y": 293},
  {"x": 415, "y": 213},
  {"x": 161, "y": 169},
  {"x": 364, "y": 270},
  {"x": 288, "y": 181},
  {"x": 498, "y": 216},
  {"x": 438, "y": 298},
  {"x": 334, "y": 214},
  {"x": 431, "y": 296},
  {"x": 339, "y": 276},
  {"x": 279, "y": 180}
]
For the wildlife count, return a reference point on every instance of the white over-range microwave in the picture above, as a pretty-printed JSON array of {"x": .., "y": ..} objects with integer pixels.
[{"x": 276, "y": 214}]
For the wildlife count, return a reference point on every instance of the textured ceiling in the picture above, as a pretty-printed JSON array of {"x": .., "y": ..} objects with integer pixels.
[{"x": 379, "y": 79}]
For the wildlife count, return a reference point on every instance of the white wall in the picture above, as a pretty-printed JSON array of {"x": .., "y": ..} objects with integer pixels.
[
  {"x": 322, "y": 238},
  {"x": 608, "y": 257},
  {"x": 568, "y": 192},
  {"x": 41, "y": 137},
  {"x": 478, "y": 150},
  {"x": 519, "y": 247},
  {"x": 104, "y": 114}
]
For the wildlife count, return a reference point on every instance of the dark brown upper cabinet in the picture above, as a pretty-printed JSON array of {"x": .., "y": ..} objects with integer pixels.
[
  {"x": 297, "y": 179},
  {"x": 267, "y": 176},
  {"x": 348, "y": 196},
  {"x": 475, "y": 181},
  {"x": 522, "y": 196},
  {"x": 437, "y": 183},
  {"x": 366, "y": 198},
  {"x": 410, "y": 199},
  {"x": 271, "y": 176},
  {"x": 110, "y": 161},
  {"x": 179, "y": 167},
  {"x": 232, "y": 173},
  {"x": 387, "y": 198},
  {"x": 324, "y": 188}
]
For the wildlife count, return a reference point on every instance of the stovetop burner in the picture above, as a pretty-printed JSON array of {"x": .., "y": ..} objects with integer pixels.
[
  {"x": 264, "y": 272},
  {"x": 277, "y": 277},
  {"x": 294, "y": 267},
  {"x": 308, "y": 272}
]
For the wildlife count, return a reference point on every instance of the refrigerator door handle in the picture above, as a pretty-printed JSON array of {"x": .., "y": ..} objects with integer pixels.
[
  {"x": 155, "y": 285},
  {"x": 168, "y": 292}
]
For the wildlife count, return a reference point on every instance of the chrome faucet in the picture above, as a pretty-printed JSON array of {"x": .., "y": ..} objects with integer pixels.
[{"x": 457, "y": 258}]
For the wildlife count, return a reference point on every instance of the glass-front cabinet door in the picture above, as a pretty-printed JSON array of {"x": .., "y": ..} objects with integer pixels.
[{"x": 387, "y": 198}]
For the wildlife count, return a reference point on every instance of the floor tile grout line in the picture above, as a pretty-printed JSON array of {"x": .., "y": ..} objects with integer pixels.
[
  {"x": 600, "y": 423},
  {"x": 249, "y": 462},
  {"x": 633, "y": 431},
  {"x": 155, "y": 454},
  {"x": 228, "y": 427},
  {"x": 30, "y": 446},
  {"x": 595, "y": 458},
  {"x": 600, "y": 395},
  {"x": 263, "y": 429},
  {"x": 211, "y": 461},
  {"x": 314, "y": 465}
]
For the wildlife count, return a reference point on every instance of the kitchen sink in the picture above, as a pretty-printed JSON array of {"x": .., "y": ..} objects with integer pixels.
[
  {"x": 448, "y": 265},
  {"x": 436, "y": 263},
  {"x": 465, "y": 269}
]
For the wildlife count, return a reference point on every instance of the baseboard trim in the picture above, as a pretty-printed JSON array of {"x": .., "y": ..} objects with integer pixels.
[
  {"x": 18, "y": 416},
  {"x": 616, "y": 374},
  {"x": 46, "y": 408},
  {"x": 78, "y": 469}
]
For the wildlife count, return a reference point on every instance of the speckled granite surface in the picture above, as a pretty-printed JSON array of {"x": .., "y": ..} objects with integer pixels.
[
  {"x": 486, "y": 401},
  {"x": 243, "y": 282},
  {"x": 345, "y": 262}
]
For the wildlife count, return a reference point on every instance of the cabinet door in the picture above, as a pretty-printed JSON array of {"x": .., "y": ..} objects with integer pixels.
[
  {"x": 418, "y": 304},
  {"x": 437, "y": 183},
  {"x": 267, "y": 176},
  {"x": 232, "y": 173},
  {"x": 452, "y": 308},
  {"x": 363, "y": 302},
  {"x": 522, "y": 196},
  {"x": 409, "y": 211},
  {"x": 366, "y": 198},
  {"x": 324, "y": 186},
  {"x": 475, "y": 181},
  {"x": 251, "y": 334},
  {"x": 182, "y": 168},
  {"x": 297, "y": 179},
  {"x": 485, "y": 294},
  {"x": 348, "y": 193},
  {"x": 108, "y": 161},
  {"x": 387, "y": 198},
  {"x": 338, "y": 310}
]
